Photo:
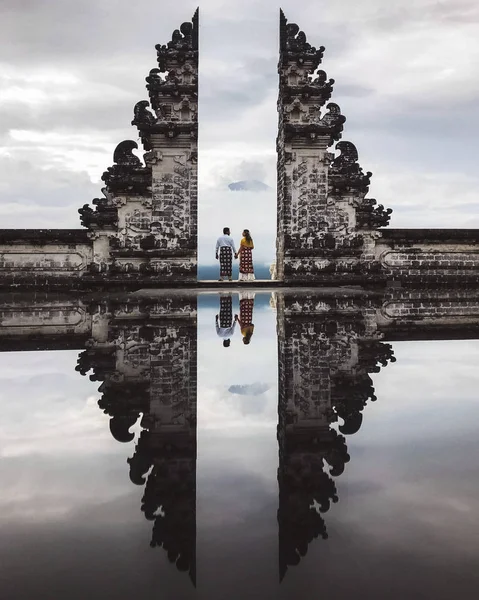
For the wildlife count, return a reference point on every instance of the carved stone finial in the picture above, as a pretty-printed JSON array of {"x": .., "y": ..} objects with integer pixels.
[
  {"x": 345, "y": 173},
  {"x": 184, "y": 42},
  {"x": 123, "y": 154},
  {"x": 142, "y": 116},
  {"x": 293, "y": 45},
  {"x": 299, "y": 122},
  {"x": 371, "y": 216},
  {"x": 127, "y": 175},
  {"x": 175, "y": 81}
]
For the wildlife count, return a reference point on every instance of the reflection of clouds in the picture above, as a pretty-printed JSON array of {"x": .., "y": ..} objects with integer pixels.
[
  {"x": 415, "y": 458},
  {"x": 237, "y": 448},
  {"x": 50, "y": 407},
  {"x": 409, "y": 498},
  {"x": 55, "y": 445},
  {"x": 435, "y": 381},
  {"x": 218, "y": 368},
  {"x": 219, "y": 409}
]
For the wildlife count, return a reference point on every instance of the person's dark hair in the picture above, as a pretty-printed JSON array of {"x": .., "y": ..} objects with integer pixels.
[
  {"x": 247, "y": 236},
  {"x": 226, "y": 230},
  {"x": 247, "y": 337},
  {"x": 226, "y": 343}
]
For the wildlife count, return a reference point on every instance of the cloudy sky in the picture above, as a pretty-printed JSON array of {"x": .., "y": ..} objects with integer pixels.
[{"x": 406, "y": 79}]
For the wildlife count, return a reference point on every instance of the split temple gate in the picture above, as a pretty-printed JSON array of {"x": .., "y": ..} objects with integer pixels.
[{"x": 143, "y": 231}]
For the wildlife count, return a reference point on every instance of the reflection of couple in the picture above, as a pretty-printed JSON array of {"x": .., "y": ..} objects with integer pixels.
[
  {"x": 225, "y": 324},
  {"x": 225, "y": 248}
]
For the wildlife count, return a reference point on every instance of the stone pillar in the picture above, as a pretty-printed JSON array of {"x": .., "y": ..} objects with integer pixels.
[
  {"x": 171, "y": 138},
  {"x": 145, "y": 228},
  {"x": 320, "y": 223}
]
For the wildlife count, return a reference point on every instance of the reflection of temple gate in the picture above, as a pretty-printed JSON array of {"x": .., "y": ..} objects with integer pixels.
[
  {"x": 326, "y": 350},
  {"x": 147, "y": 365},
  {"x": 143, "y": 231},
  {"x": 143, "y": 351}
]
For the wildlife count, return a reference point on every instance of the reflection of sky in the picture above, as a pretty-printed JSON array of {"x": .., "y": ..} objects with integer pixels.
[
  {"x": 70, "y": 519},
  {"x": 405, "y": 525}
]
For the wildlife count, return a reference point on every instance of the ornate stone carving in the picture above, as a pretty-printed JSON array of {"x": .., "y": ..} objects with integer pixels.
[
  {"x": 370, "y": 216},
  {"x": 172, "y": 88},
  {"x": 294, "y": 45},
  {"x": 127, "y": 175},
  {"x": 142, "y": 116},
  {"x": 305, "y": 122},
  {"x": 345, "y": 174},
  {"x": 322, "y": 210}
]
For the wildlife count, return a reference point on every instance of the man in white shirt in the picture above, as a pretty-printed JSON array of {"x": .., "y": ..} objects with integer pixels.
[{"x": 225, "y": 249}]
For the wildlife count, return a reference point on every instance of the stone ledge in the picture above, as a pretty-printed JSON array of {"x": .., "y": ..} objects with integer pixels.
[
  {"x": 44, "y": 236},
  {"x": 425, "y": 236}
]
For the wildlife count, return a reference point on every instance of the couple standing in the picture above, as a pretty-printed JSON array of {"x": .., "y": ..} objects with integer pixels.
[
  {"x": 225, "y": 324},
  {"x": 225, "y": 248}
]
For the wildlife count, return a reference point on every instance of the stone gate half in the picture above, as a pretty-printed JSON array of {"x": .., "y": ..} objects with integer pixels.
[
  {"x": 328, "y": 230},
  {"x": 144, "y": 228}
]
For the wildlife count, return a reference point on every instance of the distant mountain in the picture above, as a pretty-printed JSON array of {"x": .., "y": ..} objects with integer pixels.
[
  {"x": 252, "y": 185},
  {"x": 253, "y": 389}
]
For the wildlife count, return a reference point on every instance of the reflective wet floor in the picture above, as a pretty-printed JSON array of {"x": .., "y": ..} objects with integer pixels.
[{"x": 242, "y": 445}]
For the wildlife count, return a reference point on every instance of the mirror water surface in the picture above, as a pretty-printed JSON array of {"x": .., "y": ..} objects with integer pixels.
[{"x": 240, "y": 445}]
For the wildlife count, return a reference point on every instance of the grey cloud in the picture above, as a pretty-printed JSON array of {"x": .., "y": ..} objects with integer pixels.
[
  {"x": 95, "y": 115},
  {"x": 66, "y": 32},
  {"x": 28, "y": 184},
  {"x": 352, "y": 90}
]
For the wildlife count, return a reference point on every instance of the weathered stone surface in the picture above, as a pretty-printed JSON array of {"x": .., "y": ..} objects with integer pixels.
[
  {"x": 434, "y": 256},
  {"x": 36, "y": 256}
]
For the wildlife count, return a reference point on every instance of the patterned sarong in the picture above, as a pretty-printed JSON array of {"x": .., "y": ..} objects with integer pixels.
[
  {"x": 246, "y": 261},
  {"x": 246, "y": 303},
  {"x": 226, "y": 311},
  {"x": 226, "y": 261}
]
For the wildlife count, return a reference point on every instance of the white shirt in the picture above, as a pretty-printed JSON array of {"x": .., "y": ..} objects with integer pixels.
[
  {"x": 225, "y": 240},
  {"x": 225, "y": 332}
]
